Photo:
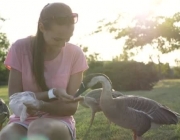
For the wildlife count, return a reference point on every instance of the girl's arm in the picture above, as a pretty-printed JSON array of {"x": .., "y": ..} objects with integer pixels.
[
  {"x": 58, "y": 107},
  {"x": 15, "y": 85}
]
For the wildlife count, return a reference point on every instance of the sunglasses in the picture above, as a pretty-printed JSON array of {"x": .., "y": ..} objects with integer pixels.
[{"x": 66, "y": 20}]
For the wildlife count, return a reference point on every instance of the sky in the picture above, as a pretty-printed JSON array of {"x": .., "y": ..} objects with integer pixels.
[{"x": 22, "y": 16}]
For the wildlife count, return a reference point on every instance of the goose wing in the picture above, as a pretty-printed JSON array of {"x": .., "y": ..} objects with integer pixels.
[
  {"x": 95, "y": 93},
  {"x": 130, "y": 117},
  {"x": 156, "y": 111},
  {"x": 83, "y": 104},
  {"x": 116, "y": 94}
]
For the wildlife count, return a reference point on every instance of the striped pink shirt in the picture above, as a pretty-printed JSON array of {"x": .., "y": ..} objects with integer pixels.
[{"x": 57, "y": 72}]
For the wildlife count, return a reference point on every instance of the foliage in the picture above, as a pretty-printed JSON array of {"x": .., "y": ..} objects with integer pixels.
[
  {"x": 176, "y": 72},
  {"x": 127, "y": 75},
  {"x": 125, "y": 56},
  {"x": 90, "y": 57},
  {"x": 159, "y": 32},
  {"x": 4, "y": 44}
]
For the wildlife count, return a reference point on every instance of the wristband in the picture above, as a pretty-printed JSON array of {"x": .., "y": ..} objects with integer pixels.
[{"x": 51, "y": 94}]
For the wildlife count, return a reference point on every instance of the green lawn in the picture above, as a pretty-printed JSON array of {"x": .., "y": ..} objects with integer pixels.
[
  {"x": 166, "y": 92},
  {"x": 3, "y": 93}
]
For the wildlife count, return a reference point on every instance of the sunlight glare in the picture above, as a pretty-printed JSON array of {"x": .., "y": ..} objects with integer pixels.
[
  {"x": 139, "y": 7},
  {"x": 22, "y": 17}
]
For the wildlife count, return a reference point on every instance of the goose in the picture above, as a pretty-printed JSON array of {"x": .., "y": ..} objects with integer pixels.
[
  {"x": 91, "y": 100},
  {"x": 136, "y": 113}
]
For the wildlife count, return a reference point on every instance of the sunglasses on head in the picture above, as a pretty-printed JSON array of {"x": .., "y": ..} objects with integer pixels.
[{"x": 66, "y": 20}]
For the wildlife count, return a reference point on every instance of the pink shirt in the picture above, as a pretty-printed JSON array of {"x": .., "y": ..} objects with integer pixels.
[{"x": 57, "y": 72}]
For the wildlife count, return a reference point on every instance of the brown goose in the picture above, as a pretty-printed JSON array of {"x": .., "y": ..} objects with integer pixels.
[
  {"x": 91, "y": 100},
  {"x": 132, "y": 112}
]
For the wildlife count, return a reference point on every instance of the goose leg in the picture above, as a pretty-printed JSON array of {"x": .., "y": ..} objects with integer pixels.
[
  {"x": 139, "y": 138},
  {"x": 0, "y": 127},
  {"x": 91, "y": 122},
  {"x": 136, "y": 137}
]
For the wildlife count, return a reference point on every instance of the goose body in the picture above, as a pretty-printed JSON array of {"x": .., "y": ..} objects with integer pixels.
[
  {"x": 137, "y": 113},
  {"x": 129, "y": 111},
  {"x": 95, "y": 95},
  {"x": 92, "y": 101}
]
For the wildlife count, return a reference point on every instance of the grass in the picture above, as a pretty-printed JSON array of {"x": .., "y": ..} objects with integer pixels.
[
  {"x": 3, "y": 93},
  {"x": 166, "y": 92}
]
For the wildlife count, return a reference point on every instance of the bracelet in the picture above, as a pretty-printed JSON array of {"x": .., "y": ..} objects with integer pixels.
[{"x": 51, "y": 94}]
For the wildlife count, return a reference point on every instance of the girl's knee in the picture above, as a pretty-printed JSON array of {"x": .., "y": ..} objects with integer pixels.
[
  {"x": 38, "y": 126},
  {"x": 3, "y": 135},
  {"x": 13, "y": 132},
  {"x": 48, "y": 128}
]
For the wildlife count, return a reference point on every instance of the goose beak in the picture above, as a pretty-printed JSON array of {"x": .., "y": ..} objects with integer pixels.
[{"x": 81, "y": 90}]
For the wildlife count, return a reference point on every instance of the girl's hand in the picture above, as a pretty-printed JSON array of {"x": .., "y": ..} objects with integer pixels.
[
  {"x": 30, "y": 111},
  {"x": 62, "y": 94},
  {"x": 33, "y": 106}
]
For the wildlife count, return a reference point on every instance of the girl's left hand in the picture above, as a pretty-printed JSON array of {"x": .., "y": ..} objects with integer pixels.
[
  {"x": 35, "y": 105},
  {"x": 31, "y": 112}
]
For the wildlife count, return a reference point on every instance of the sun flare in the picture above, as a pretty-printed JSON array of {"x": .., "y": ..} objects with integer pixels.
[
  {"x": 153, "y": 7},
  {"x": 139, "y": 7},
  {"x": 90, "y": 12}
]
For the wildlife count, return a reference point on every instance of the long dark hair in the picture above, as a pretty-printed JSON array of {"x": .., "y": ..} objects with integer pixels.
[
  {"x": 38, "y": 60},
  {"x": 38, "y": 42}
]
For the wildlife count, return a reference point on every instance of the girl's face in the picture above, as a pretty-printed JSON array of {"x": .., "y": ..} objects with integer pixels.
[{"x": 60, "y": 31}]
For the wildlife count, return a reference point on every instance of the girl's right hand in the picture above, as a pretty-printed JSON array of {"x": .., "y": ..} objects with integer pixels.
[{"x": 62, "y": 94}]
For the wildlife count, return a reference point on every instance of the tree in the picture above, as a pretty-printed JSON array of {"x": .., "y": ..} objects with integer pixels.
[
  {"x": 177, "y": 62},
  {"x": 159, "y": 32},
  {"x": 4, "y": 44},
  {"x": 125, "y": 56},
  {"x": 91, "y": 57}
]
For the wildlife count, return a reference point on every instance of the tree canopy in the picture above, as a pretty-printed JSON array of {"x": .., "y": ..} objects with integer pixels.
[
  {"x": 159, "y": 32},
  {"x": 4, "y": 44}
]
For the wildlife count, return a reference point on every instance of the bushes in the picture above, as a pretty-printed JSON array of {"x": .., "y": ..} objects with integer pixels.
[
  {"x": 4, "y": 44},
  {"x": 4, "y": 72},
  {"x": 127, "y": 75},
  {"x": 176, "y": 72}
]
